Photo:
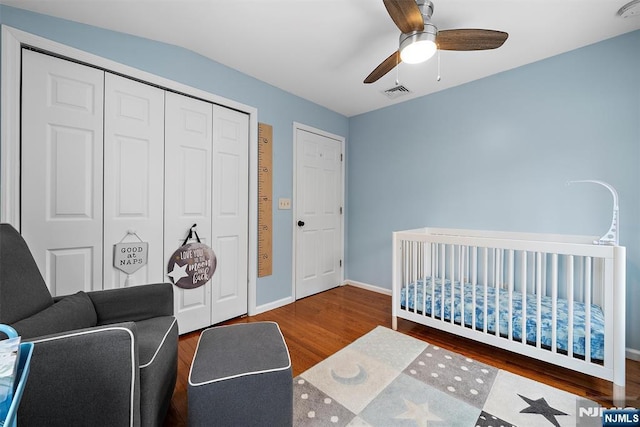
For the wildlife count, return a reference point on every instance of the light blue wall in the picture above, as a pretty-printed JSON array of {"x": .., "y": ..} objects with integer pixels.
[
  {"x": 275, "y": 107},
  {"x": 495, "y": 154}
]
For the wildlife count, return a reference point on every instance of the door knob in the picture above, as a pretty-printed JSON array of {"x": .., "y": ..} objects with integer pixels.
[{"x": 300, "y": 223}]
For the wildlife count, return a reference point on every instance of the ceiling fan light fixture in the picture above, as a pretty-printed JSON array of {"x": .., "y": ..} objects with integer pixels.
[{"x": 418, "y": 46}]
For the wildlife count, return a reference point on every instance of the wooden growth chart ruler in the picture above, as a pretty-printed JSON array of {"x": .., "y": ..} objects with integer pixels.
[{"x": 265, "y": 199}]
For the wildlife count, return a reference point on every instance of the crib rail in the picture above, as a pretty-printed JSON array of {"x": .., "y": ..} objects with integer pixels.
[{"x": 556, "y": 298}]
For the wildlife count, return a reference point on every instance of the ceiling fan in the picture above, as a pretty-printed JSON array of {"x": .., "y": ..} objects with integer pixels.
[{"x": 420, "y": 38}]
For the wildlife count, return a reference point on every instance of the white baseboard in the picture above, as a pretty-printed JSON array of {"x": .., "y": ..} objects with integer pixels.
[
  {"x": 633, "y": 354},
  {"x": 288, "y": 300},
  {"x": 273, "y": 305},
  {"x": 368, "y": 287}
]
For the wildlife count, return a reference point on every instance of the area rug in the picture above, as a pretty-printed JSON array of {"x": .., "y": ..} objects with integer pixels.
[{"x": 388, "y": 379}]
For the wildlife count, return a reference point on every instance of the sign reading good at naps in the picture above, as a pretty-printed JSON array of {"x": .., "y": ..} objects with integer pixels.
[
  {"x": 192, "y": 265},
  {"x": 130, "y": 257}
]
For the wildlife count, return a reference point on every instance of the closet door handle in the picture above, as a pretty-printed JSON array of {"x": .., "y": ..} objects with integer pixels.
[{"x": 300, "y": 223}]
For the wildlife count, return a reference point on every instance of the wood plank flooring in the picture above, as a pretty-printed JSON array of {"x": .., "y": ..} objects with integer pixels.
[{"x": 318, "y": 326}]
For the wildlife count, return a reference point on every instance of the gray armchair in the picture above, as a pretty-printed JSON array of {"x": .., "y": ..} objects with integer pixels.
[{"x": 104, "y": 358}]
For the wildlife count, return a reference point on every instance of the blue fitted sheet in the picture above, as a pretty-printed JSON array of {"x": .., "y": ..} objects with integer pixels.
[{"x": 597, "y": 316}]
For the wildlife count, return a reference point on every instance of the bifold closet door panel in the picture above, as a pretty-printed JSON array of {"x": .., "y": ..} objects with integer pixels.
[
  {"x": 62, "y": 170},
  {"x": 188, "y": 166},
  {"x": 134, "y": 181},
  {"x": 230, "y": 212}
]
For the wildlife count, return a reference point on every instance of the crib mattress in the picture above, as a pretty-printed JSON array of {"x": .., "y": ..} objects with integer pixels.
[{"x": 415, "y": 291}]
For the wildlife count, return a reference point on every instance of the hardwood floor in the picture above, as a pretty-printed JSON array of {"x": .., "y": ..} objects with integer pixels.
[{"x": 318, "y": 326}]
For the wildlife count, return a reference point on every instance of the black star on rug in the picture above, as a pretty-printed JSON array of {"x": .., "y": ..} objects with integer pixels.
[
  {"x": 487, "y": 420},
  {"x": 541, "y": 407}
]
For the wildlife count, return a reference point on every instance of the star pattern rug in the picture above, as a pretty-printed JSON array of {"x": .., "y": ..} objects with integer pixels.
[{"x": 388, "y": 379}]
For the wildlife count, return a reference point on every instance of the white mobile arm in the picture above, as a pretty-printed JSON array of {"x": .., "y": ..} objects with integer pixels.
[{"x": 611, "y": 236}]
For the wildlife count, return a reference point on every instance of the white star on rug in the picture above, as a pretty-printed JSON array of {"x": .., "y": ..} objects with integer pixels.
[
  {"x": 418, "y": 413},
  {"x": 178, "y": 272}
]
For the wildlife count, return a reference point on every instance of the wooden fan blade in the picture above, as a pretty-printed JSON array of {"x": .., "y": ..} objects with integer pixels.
[
  {"x": 386, "y": 66},
  {"x": 470, "y": 39},
  {"x": 406, "y": 15}
]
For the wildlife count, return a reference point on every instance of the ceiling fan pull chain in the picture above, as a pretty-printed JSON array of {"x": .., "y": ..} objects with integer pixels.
[{"x": 438, "y": 77}]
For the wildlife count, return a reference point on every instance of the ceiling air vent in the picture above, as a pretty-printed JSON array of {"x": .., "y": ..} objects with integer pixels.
[{"x": 396, "y": 92}]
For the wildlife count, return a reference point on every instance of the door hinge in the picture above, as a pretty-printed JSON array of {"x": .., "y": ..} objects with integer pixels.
[
  {"x": 340, "y": 263},
  {"x": 340, "y": 156},
  {"x": 340, "y": 210}
]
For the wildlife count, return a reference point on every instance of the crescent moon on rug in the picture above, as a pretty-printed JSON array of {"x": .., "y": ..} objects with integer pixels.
[{"x": 357, "y": 379}]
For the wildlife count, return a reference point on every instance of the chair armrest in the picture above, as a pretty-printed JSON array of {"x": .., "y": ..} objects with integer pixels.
[
  {"x": 133, "y": 304},
  {"x": 84, "y": 377}
]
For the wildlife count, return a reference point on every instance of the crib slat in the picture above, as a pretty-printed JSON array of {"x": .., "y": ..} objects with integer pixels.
[
  {"x": 474, "y": 266},
  {"x": 425, "y": 274},
  {"x": 554, "y": 302},
  {"x": 474, "y": 282},
  {"x": 570, "y": 304},
  {"x": 452, "y": 278},
  {"x": 412, "y": 275},
  {"x": 538, "y": 298},
  {"x": 434, "y": 275},
  {"x": 544, "y": 276},
  {"x": 413, "y": 270},
  {"x": 443, "y": 259},
  {"x": 523, "y": 291},
  {"x": 462, "y": 282},
  {"x": 587, "y": 309},
  {"x": 405, "y": 269},
  {"x": 485, "y": 253},
  {"x": 403, "y": 273},
  {"x": 408, "y": 273},
  {"x": 497, "y": 285},
  {"x": 510, "y": 284}
]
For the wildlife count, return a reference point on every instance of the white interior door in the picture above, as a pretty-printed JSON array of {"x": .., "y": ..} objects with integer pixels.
[
  {"x": 230, "y": 212},
  {"x": 318, "y": 212},
  {"x": 134, "y": 176},
  {"x": 188, "y": 164},
  {"x": 61, "y": 189}
]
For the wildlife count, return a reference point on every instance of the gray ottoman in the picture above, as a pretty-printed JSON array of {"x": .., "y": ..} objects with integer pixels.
[{"x": 241, "y": 376}]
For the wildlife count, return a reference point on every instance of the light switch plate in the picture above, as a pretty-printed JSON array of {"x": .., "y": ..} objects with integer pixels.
[{"x": 284, "y": 203}]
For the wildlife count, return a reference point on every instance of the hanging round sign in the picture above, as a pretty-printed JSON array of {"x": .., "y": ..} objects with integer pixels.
[{"x": 192, "y": 265}]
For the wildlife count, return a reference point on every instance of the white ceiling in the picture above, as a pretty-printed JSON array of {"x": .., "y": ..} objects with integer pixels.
[{"x": 322, "y": 50}]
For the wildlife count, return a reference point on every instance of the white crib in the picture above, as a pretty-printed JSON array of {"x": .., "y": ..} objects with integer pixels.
[{"x": 513, "y": 291}]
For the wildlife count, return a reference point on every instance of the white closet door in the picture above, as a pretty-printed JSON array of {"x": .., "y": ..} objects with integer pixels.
[
  {"x": 134, "y": 176},
  {"x": 61, "y": 195},
  {"x": 188, "y": 161},
  {"x": 230, "y": 212}
]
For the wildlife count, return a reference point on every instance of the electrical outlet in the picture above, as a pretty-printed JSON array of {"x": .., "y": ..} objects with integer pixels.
[{"x": 284, "y": 203}]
